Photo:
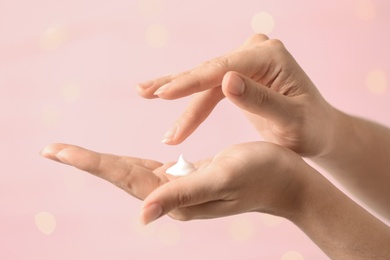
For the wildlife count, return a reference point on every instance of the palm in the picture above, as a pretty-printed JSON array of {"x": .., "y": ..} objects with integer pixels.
[{"x": 227, "y": 184}]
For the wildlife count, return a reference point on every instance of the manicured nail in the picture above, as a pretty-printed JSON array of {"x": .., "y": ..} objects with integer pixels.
[
  {"x": 151, "y": 213},
  {"x": 162, "y": 89},
  {"x": 48, "y": 153},
  {"x": 236, "y": 85},
  {"x": 61, "y": 158},
  {"x": 45, "y": 151},
  {"x": 170, "y": 134},
  {"x": 145, "y": 85}
]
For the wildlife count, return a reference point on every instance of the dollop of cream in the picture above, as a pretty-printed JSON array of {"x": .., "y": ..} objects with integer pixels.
[{"x": 181, "y": 168}]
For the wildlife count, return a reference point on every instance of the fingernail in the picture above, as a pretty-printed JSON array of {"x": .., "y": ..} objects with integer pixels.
[
  {"x": 236, "y": 85},
  {"x": 151, "y": 213},
  {"x": 162, "y": 89},
  {"x": 45, "y": 151},
  {"x": 60, "y": 156},
  {"x": 170, "y": 134},
  {"x": 48, "y": 153},
  {"x": 145, "y": 85}
]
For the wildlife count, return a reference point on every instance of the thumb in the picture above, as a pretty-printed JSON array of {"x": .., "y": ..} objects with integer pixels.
[
  {"x": 256, "y": 98},
  {"x": 182, "y": 192}
]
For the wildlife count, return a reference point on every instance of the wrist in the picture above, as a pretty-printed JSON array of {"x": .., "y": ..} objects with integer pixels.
[
  {"x": 341, "y": 130},
  {"x": 293, "y": 203},
  {"x": 341, "y": 145},
  {"x": 338, "y": 225}
]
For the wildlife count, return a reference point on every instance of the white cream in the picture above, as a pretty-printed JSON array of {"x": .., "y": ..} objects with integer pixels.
[{"x": 181, "y": 168}]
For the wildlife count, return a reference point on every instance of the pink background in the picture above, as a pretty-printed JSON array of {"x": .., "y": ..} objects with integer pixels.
[{"x": 67, "y": 74}]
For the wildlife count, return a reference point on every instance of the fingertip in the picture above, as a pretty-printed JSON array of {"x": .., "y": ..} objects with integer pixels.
[
  {"x": 48, "y": 149},
  {"x": 62, "y": 156},
  {"x": 150, "y": 213},
  {"x": 145, "y": 93},
  {"x": 174, "y": 141},
  {"x": 226, "y": 79},
  {"x": 55, "y": 152},
  {"x": 45, "y": 152},
  {"x": 168, "y": 142},
  {"x": 50, "y": 152},
  {"x": 145, "y": 85},
  {"x": 48, "y": 155},
  {"x": 170, "y": 134},
  {"x": 233, "y": 84},
  {"x": 173, "y": 136}
]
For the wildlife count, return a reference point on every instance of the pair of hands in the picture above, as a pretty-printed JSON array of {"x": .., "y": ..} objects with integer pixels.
[{"x": 264, "y": 80}]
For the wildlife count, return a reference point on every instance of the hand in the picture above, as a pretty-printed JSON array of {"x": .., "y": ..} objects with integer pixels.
[
  {"x": 263, "y": 79},
  {"x": 136, "y": 176},
  {"x": 246, "y": 177}
]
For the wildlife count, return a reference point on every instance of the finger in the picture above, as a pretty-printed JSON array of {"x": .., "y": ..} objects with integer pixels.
[
  {"x": 133, "y": 175},
  {"x": 147, "y": 89},
  {"x": 256, "y": 98},
  {"x": 183, "y": 192},
  {"x": 196, "y": 112},
  {"x": 206, "y": 76},
  {"x": 255, "y": 39},
  {"x": 53, "y": 150},
  {"x": 210, "y": 74}
]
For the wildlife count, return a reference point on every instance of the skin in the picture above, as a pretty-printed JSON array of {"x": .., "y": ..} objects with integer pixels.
[
  {"x": 285, "y": 106},
  {"x": 263, "y": 79},
  {"x": 249, "y": 177}
]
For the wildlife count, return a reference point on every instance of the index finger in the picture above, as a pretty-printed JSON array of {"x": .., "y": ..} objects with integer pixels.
[{"x": 207, "y": 75}]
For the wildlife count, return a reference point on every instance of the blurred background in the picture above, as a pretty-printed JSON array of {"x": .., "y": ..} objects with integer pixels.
[{"x": 67, "y": 74}]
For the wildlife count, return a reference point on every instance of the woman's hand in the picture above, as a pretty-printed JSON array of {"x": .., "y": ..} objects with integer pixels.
[
  {"x": 257, "y": 177},
  {"x": 263, "y": 79},
  {"x": 247, "y": 177}
]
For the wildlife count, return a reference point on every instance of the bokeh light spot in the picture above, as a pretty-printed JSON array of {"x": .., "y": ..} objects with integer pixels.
[
  {"x": 45, "y": 222},
  {"x": 241, "y": 229},
  {"x": 270, "y": 220},
  {"x": 50, "y": 116},
  {"x": 365, "y": 10},
  {"x": 376, "y": 81},
  {"x": 292, "y": 255},
  {"x": 70, "y": 92},
  {"x": 53, "y": 37},
  {"x": 150, "y": 8},
  {"x": 157, "y": 35},
  {"x": 263, "y": 23},
  {"x": 169, "y": 234}
]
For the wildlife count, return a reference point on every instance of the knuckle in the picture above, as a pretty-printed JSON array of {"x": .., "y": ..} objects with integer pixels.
[
  {"x": 275, "y": 44},
  {"x": 221, "y": 63},
  {"x": 258, "y": 38},
  {"x": 124, "y": 179}
]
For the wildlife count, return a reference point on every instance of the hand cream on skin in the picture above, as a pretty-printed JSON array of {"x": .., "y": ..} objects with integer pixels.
[{"x": 181, "y": 168}]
